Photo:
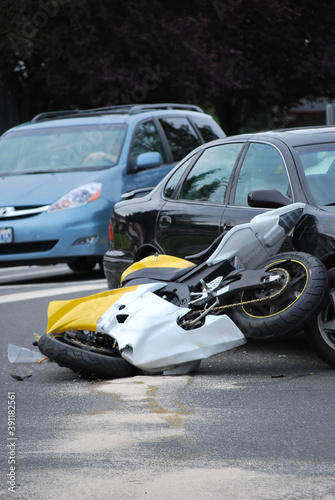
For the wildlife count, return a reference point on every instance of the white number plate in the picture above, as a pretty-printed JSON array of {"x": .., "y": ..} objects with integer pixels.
[{"x": 6, "y": 235}]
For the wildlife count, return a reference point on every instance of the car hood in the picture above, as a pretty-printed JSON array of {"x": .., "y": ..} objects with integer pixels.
[{"x": 41, "y": 189}]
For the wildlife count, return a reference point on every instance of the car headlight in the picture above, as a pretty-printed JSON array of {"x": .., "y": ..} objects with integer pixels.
[{"x": 78, "y": 197}]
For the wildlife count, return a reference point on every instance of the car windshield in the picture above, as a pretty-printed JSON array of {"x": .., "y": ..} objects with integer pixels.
[
  {"x": 318, "y": 161},
  {"x": 61, "y": 149}
]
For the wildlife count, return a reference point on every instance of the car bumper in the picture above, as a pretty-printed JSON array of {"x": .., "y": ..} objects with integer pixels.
[
  {"x": 52, "y": 237},
  {"x": 114, "y": 263}
]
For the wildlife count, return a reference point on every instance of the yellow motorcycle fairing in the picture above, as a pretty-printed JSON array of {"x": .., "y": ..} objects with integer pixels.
[
  {"x": 82, "y": 313},
  {"x": 156, "y": 261}
]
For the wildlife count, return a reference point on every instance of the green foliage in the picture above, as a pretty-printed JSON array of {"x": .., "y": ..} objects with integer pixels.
[{"x": 241, "y": 56}]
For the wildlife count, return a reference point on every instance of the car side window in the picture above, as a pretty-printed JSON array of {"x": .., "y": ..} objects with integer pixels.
[
  {"x": 318, "y": 162},
  {"x": 209, "y": 130},
  {"x": 263, "y": 168},
  {"x": 209, "y": 177},
  {"x": 181, "y": 136},
  {"x": 172, "y": 183},
  {"x": 146, "y": 138}
]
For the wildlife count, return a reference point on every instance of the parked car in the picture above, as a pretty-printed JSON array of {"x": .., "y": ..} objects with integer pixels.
[
  {"x": 207, "y": 193},
  {"x": 61, "y": 174}
]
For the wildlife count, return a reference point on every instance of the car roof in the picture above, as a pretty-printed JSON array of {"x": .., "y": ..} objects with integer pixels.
[
  {"x": 298, "y": 136},
  {"x": 70, "y": 122},
  {"x": 110, "y": 114}
]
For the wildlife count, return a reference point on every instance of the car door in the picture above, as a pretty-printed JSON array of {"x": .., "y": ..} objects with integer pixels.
[
  {"x": 191, "y": 218},
  {"x": 172, "y": 137},
  {"x": 262, "y": 166},
  {"x": 146, "y": 138}
]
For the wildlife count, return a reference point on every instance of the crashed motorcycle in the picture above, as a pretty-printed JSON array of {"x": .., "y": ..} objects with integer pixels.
[{"x": 170, "y": 313}]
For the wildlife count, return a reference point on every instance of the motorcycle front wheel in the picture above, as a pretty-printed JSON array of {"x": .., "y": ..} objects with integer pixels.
[
  {"x": 321, "y": 330},
  {"x": 83, "y": 359},
  {"x": 288, "y": 312}
]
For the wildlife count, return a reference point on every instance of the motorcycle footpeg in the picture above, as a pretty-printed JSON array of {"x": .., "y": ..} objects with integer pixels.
[{"x": 202, "y": 298}]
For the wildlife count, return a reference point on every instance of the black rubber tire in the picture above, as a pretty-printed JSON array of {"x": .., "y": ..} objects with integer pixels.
[
  {"x": 321, "y": 330},
  {"x": 82, "y": 264},
  {"x": 83, "y": 361},
  {"x": 294, "y": 308}
]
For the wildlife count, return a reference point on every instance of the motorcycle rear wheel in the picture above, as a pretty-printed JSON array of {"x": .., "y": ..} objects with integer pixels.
[
  {"x": 291, "y": 310},
  {"x": 83, "y": 360},
  {"x": 321, "y": 330}
]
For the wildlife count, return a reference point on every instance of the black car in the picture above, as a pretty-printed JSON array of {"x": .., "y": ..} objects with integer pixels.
[
  {"x": 207, "y": 193},
  {"x": 227, "y": 182}
]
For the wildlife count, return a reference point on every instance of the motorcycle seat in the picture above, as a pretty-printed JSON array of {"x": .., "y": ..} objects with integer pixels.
[{"x": 149, "y": 274}]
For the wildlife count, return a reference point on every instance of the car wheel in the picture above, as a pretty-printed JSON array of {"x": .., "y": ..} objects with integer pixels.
[
  {"x": 82, "y": 264},
  {"x": 321, "y": 330}
]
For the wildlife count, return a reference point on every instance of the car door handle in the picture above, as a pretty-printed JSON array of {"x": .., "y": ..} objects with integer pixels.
[{"x": 165, "y": 220}]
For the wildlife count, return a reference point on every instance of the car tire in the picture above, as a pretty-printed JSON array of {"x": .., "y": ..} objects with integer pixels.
[
  {"x": 321, "y": 330},
  {"x": 82, "y": 264}
]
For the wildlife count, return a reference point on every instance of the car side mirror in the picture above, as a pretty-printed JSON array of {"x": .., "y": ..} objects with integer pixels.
[
  {"x": 148, "y": 160},
  {"x": 267, "y": 198}
]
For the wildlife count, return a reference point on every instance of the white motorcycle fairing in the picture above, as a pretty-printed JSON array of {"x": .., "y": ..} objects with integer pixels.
[
  {"x": 149, "y": 337},
  {"x": 253, "y": 242}
]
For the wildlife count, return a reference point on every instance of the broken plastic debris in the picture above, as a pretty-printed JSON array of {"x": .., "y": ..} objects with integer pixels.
[
  {"x": 21, "y": 377},
  {"x": 23, "y": 355}
]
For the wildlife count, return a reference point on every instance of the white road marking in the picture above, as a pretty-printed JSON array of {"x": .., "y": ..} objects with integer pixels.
[
  {"x": 98, "y": 283},
  {"x": 22, "y": 270},
  {"x": 29, "y": 272},
  {"x": 17, "y": 297}
]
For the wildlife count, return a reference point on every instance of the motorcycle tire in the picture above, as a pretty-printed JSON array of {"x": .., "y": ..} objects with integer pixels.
[
  {"x": 320, "y": 331},
  {"x": 88, "y": 363},
  {"x": 290, "y": 311}
]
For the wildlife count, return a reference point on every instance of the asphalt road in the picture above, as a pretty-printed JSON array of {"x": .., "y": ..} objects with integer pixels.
[{"x": 253, "y": 423}]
